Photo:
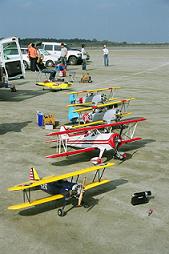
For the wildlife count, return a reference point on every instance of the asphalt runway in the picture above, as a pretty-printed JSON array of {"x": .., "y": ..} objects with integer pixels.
[{"x": 111, "y": 224}]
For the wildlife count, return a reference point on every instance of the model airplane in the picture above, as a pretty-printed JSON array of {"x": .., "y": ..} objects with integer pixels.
[
  {"x": 92, "y": 97},
  {"x": 108, "y": 111},
  {"x": 59, "y": 187},
  {"x": 55, "y": 85},
  {"x": 103, "y": 137}
]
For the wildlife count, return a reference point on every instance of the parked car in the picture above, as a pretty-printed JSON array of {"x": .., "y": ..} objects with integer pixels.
[
  {"x": 48, "y": 59},
  {"x": 74, "y": 56}
]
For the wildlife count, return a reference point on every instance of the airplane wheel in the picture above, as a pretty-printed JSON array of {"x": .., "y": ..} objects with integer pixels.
[
  {"x": 85, "y": 205},
  {"x": 61, "y": 212},
  {"x": 13, "y": 89},
  {"x": 74, "y": 202}
]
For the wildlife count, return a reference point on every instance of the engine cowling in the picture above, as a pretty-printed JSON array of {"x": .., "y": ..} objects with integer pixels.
[{"x": 115, "y": 140}]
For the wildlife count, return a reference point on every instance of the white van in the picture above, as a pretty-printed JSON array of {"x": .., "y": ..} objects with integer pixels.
[
  {"x": 13, "y": 68},
  {"x": 74, "y": 56}
]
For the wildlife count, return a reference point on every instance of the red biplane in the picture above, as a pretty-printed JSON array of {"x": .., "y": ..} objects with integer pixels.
[{"x": 103, "y": 137}]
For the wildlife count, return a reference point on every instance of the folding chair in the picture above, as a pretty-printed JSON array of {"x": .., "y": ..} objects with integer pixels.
[{"x": 42, "y": 74}]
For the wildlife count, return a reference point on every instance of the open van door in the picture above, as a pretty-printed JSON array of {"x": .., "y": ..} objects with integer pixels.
[{"x": 13, "y": 67}]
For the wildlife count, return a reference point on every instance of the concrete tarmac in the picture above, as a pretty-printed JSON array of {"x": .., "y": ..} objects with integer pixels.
[{"x": 111, "y": 224}]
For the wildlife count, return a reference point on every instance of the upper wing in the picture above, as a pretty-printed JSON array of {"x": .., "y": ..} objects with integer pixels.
[
  {"x": 50, "y": 179},
  {"x": 97, "y": 90},
  {"x": 103, "y": 105},
  {"x": 101, "y": 126},
  {"x": 87, "y": 124},
  {"x": 79, "y": 104}
]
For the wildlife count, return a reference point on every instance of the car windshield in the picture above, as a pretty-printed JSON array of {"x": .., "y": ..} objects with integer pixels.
[
  {"x": 10, "y": 49},
  {"x": 44, "y": 52}
]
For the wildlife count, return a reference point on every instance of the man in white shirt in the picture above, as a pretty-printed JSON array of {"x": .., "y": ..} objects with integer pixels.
[
  {"x": 63, "y": 54},
  {"x": 84, "y": 56},
  {"x": 106, "y": 55}
]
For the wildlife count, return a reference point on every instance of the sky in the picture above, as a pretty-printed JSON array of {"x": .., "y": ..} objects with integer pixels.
[{"x": 114, "y": 20}]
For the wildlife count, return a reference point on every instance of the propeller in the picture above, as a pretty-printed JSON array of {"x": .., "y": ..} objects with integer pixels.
[{"x": 82, "y": 191}]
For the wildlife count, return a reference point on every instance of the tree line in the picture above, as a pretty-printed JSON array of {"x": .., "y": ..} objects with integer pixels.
[{"x": 89, "y": 43}]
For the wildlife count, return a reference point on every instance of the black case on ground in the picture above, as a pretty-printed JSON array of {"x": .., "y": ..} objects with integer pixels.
[{"x": 140, "y": 197}]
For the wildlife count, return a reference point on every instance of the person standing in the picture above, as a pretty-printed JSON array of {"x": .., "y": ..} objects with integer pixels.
[
  {"x": 33, "y": 56},
  {"x": 84, "y": 56},
  {"x": 106, "y": 55},
  {"x": 63, "y": 55}
]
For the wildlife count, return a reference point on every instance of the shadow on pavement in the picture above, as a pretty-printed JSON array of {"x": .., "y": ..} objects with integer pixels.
[
  {"x": 89, "y": 200},
  {"x": 16, "y": 127},
  {"x": 20, "y": 95}
]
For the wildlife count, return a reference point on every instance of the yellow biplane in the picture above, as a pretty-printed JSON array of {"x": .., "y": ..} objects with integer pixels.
[
  {"x": 92, "y": 97},
  {"x": 59, "y": 187},
  {"x": 55, "y": 85},
  {"x": 112, "y": 110}
]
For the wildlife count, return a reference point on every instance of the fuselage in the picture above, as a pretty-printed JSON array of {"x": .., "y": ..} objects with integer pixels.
[
  {"x": 99, "y": 140},
  {"x": 58, "y": 187}
]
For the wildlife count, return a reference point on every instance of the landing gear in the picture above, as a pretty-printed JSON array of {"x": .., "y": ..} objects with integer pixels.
[
  {"x": 120, "y": 155},
  {"x": 13, "y": 89},
  {"x": 61, "y": 212}
]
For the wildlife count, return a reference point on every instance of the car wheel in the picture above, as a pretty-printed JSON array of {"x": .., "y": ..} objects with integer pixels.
[
  {"x": 26, "y": 65},
  {"x": 72, "y": 60},
  {"x": 49, "y": 63}
]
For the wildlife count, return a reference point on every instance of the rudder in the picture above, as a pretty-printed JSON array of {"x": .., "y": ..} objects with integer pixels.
[{"x": 33, "y": 174}]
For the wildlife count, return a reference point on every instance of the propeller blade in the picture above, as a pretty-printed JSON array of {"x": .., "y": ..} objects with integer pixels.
[{"x": 81, "y": 192}]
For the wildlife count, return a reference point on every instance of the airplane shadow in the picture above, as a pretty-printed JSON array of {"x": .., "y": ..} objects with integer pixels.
[
  {"x": 89, "y": 200},
  {"x": 16, "y": 127},
  {"x": 20, "y": 95},
  {"x": 137, "y": 145}
]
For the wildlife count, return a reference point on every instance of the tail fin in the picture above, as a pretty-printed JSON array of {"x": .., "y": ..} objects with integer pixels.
[
  {"x": 64, "y": 136},
  {"x": 33, "y": 175}
]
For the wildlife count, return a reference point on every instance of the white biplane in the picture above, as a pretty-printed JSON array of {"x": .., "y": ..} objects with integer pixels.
[{"x": 103, "y": 137}]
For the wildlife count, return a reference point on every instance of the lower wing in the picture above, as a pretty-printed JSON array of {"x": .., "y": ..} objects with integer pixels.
[
  {"x": 35, "y": 202},
  {"x": 57, "y": 155},
  {"x": 129, "y": 140},
  {"x": 95, "y": 184}
]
